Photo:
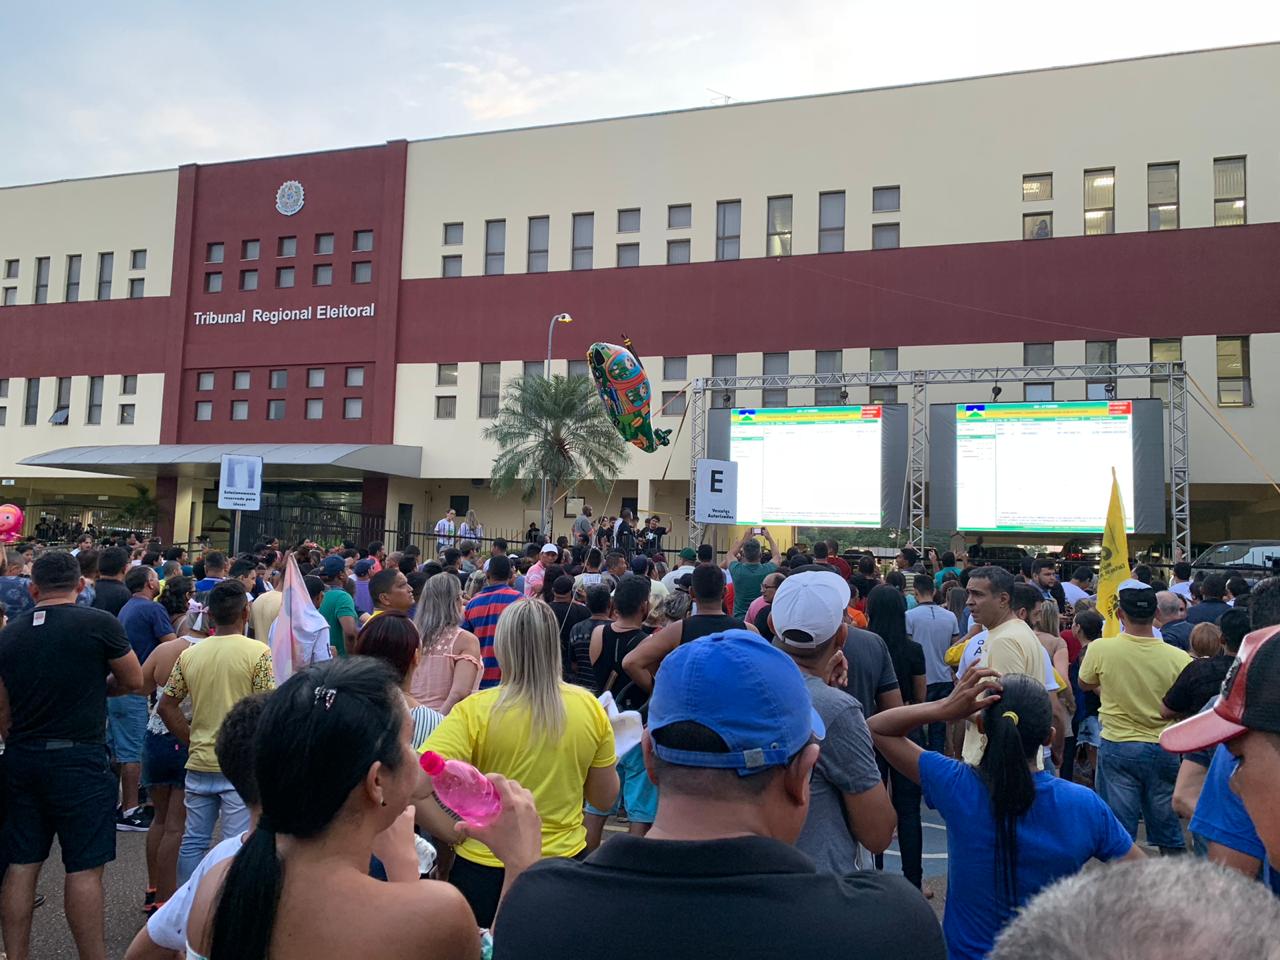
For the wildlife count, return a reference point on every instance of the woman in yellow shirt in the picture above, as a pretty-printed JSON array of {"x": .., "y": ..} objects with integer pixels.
[{"x": 551, "y": 737}]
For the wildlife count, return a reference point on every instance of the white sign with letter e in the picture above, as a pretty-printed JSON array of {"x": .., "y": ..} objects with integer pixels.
[
  {"x": 717, "y": 492},
  {"x": 240, "y": 482}
]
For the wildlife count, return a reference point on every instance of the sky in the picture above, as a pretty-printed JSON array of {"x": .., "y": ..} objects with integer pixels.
[{"x": 138, "y": 85}]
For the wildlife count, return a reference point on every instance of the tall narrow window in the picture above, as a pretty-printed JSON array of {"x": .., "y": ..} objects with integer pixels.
[
  {"x": 1037, "y": 355},
  {"x": 828, "y": 361},
  {"x": 539, "y": 242},
  {"x": 831, "y": 222},
  {"x": 1100, "y": 201},
  {"x": 1037, "y": 187},
  {"x": 106, "y": 262},
  {"x": 93, "y": 414},
  {"x": 728, "y": 229},
  {"x": 884, "y": 359},
  {"x": 584, "y": 228},
  {"x": 495, "y": 247},
  {"x": 62, "y": 406},
  {"x": 723, "y": 365},
  {"x": 73, "y": 278},
  {"x": 490, "y": 388},
  {"x": 42, "y": 280},
  {"x": 1162, "y": 196},
  {"x": 1100, "y": 351},
  {"x": 1228, "y": 192},
  {"x": 775, "y": 365},
  {"x": 777, "y": 241},
  {"x": 1164, "y": 351},
  {"x": 31, "y": 408},
  {"x": 1234, "y": 386}
]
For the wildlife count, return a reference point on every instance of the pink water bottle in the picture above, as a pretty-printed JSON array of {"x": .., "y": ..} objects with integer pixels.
[{"x": 462, "y": 789}]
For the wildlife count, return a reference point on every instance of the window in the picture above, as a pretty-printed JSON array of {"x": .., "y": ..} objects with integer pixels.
[
  {"x": 213, "y": 282},
  {"x": 628, "y": 254},
  {"x": 314, "y": 409},
  {"x": 249, "y": 249},
  {"x": 584, "y": 227},
  {"x": 777, "y": 239},
  {"x": 204, "y": 409},
  {"x": 240, "y": 380},
  {"x": 214, "y": 253},
  {"x": 447, "y": 375},
  {"x": 4, "y": 387},
  {"x": 495, "y": 247},
  {"x": 1164, "y": 351},
  {"x": 128, "y": 413},
  {"x": 287, "y": 247},
  {"x": 73, "y": 278},
  {"x": 93, "y": 414},
  {"x": 1228, "y": 192},
  {"x": 1037, "y": 354},
  {"x": 275, "y": 409},
  {"x": 1100, "y": 351},
  {"x": 884, "y": 394},
  {"x": 315, "y": 378},
  {"x": 533, "y": 368},
  {"x": 578, "y": 368},
  {"x": 831, "y": 222},
  {"x": 1162, "y": 196},
  {"x": 352, "y": 408},
  {"x": 1037, "y": 186},
  {"x": 1100, "y": 201},
  {"x": 362, "y": 271},
  {"x": 446, "y": 408},
  {"x": 362, "y": 241},
  {"x": 322, "y": 275},
  {"x": 885, "y": 236},
  {"x": 106, "y": 263},
  {"x": 10, "y": 296},
  {"x": 4, "y": 416},
  {"x": 42, "y": 280},
  {"x": 62, "y": 408},
  {"x": 539, "y": 237},
  {"x": 673, "y": 403},
  {"x": 129, "y": 384},
  {"x": 1234, "y": 388},
  {"x": 239, "y": 409},
  {"x": 32, "y": 406},
  {"x": 204, "y": 381},
  {"x": 138, "y": 260},
  {"x": 1038, "y": 393},
  {"x": 679, "y": 216},
  {"x": 451, "y": 266},
  {"x": 279, "y": 379},
  {"x": 678, "y": 251},
  {"x": 490, "y": 384},
  {"x": 324, "y": 244},
  {"x": 355, "y": 376},
  {"x": 883, "y": 359},
  {"x": 775, "y": 364},
  {"x": 675, "y": 368},
  {"x": 452, "y": 234},
  {"x": 629, "y": 220},
  {"x": 136, "y": 286},
  {"x": 886, "y": 199},
  {"x": 285, "y": 277},
  {"x": 1037, "y": 226},
  {"x": 248, "y": 279},
  {"x": 723, "y": 365},
  {"x": 728, "y": 229},
  {"x": 828, "y": 361},
  {"x": 11, "y": 269}
]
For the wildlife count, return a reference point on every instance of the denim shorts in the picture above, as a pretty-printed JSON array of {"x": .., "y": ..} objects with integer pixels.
[
  {"x": 126, "y": 727},
  {"x": 1090, "y": 732},
  {"x": 62, "y": 789},
  {"x": 638, "y": 794},
  {"x": 164, "y": 761}
]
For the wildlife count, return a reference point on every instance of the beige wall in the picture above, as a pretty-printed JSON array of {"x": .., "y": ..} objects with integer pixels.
[
  {"x": 87, "y": 217},
  {"x": 958, "y": 150}
]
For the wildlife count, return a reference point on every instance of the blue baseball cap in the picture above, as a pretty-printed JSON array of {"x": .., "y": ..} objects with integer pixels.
[{"x": 749, "y": 693}]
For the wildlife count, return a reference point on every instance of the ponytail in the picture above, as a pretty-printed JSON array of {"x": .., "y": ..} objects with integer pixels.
[{"x": 246, "y": 910}]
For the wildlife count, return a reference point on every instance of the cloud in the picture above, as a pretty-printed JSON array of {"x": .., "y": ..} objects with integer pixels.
[{"x": 501, "y": 87}]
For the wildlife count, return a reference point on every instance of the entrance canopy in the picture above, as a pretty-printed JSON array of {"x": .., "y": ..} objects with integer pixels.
[{"x": 281, "y": 461}]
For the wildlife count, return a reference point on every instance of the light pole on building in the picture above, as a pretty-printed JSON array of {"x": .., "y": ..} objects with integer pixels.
[{"x": 546, "y": 373}]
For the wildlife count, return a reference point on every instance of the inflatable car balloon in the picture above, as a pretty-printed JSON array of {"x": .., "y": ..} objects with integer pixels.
[
  {"x": 624, "y": 388},
  {"x": 10, "y": 523}
]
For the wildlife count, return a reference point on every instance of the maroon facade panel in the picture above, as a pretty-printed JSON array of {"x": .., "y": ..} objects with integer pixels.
[{"x": 84, "y": 339}]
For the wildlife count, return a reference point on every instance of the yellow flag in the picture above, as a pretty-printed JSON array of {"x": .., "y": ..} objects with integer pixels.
[{"x": 1113, "y": 568}]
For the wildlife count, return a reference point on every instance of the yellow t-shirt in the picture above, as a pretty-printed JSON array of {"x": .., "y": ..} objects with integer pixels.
[
  {"x": 263, "y": 612},
  {"x": 554, "y": 773},
  {"x": 1132, "y": 675},
  {"x": 218, "y": 672},
  {"x": 1011, "y": 647}
]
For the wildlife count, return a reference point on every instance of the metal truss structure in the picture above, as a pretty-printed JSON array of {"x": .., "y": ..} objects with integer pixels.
[{"x": 1179, "y": 470}]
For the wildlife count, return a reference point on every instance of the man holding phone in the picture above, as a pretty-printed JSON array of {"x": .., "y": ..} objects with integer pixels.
[{"x": 743, "y": 564}]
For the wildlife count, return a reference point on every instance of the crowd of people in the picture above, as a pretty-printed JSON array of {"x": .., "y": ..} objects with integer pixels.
[{"x": 765, "y": 725}]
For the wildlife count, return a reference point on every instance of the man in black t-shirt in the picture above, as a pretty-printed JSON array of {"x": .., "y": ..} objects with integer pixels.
[
  {"x": 110, "y": 593},
  {"x": 651, "y": 536},
  {"x": 58, "y": 664},
  {"x": 731, "y": 747},
  {"x": 568, "y": 615}
]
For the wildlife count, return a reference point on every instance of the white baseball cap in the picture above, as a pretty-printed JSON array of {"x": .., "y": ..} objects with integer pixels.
[
  {"x": 811, "y": 603},
  {"x": 550, "y": 548}
]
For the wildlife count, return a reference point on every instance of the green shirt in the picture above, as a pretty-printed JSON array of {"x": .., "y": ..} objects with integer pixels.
[
  {"x": 747, "y": 581},
  {"x": 337, "y": 603}
]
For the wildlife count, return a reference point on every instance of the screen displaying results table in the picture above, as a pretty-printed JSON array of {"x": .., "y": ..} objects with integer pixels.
[
  {"x": 816, "y": 466},
  {"x": 1042, "y": 466}
]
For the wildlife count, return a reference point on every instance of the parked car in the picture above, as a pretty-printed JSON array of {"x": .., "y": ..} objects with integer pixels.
[
  {"x": 1160, "y": 553},
  {"x": 1078, "y": 551},
  {"x": 1251, "y": 559}
]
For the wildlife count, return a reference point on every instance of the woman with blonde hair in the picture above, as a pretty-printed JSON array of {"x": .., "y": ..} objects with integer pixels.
[
  {"x": 533, "y": 728},
  {"x": 472, "y": 528},
  {"x": 450, "y": 667}
]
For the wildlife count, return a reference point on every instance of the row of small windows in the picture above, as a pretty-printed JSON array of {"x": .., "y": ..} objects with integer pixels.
[
  {"x": 207, "y": 380},
  {"x": 125, "y": 412},
  {"x": 361, "y": 242},
  {"x": 313, "y": 408},
  {"x": 71, "y": 290},
  {"x": 1163, "y": 198},
  {"x": 286, "y": 277},
  {"x": 778, "y": 233}
]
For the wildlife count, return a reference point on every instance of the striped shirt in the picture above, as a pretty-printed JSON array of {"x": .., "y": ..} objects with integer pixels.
[{"x": 481, "y": 618}]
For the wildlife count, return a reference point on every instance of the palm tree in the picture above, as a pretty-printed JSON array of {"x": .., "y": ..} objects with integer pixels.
[
  {"x": 139, "y": 513},
  {"x": 555, "y": 430}
]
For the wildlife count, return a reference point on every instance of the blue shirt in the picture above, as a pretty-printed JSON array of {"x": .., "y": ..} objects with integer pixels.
[
  {"x": 1221, "y": 816},
  {"x": 15, "y": 594},
  {"x": 207, "y": 584},
  {"x": 1066, "y": 826},
  {"x": 145, "y": 622}
]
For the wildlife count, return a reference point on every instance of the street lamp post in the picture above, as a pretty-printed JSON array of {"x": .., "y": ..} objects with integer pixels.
[{"x": 546, "y": 373}]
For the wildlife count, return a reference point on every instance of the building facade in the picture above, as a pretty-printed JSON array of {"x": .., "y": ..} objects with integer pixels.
[{"x": 362, "y": 325}]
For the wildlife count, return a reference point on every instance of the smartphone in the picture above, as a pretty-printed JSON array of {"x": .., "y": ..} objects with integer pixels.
[{"x": 756, "y": 531}]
